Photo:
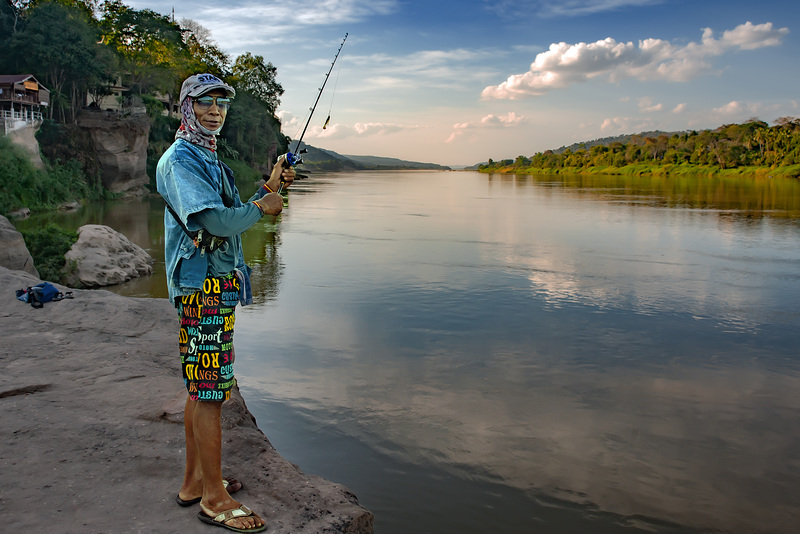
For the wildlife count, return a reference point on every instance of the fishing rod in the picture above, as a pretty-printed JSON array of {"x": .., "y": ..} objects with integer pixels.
[{"x": 294, "y": 158}]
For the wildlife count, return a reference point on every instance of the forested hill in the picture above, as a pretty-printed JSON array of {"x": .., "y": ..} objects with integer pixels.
[
  {"x": 753, "y": 145},
  {"x": 607, "y": 141},
  {"x": 317, "y": 159},
  {"x": 375, "y": 162}
]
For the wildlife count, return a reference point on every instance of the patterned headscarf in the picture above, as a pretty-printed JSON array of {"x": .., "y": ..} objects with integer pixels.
[{"x": 191, "y": 130}]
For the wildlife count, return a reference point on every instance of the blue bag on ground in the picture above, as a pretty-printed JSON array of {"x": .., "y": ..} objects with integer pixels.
[{"x": 40, "y": 293}]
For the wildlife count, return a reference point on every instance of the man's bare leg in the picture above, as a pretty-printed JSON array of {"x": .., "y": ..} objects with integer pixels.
[
  {"x": 207, "y": 430},
  {"x": 193, "y": 476}
]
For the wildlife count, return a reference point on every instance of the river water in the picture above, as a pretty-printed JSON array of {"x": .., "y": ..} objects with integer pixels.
[{"x": 475, "y": 353}]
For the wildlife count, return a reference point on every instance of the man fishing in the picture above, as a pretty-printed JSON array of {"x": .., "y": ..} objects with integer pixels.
[{"x": 206, "y": 278}]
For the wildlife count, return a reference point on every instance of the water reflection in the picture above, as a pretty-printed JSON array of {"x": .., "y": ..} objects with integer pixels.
[
  {"x": 617, "y": 355},
  {"x": 262, "y": 245},
  {"x": 776, "y": 197},
  {"x": 705, "y": 448}
]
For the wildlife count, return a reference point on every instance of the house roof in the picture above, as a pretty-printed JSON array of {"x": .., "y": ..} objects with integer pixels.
[{"x": 17, "y": 78}]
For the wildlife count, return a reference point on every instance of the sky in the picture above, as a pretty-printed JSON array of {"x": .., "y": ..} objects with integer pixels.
[{"x": 456, "y": 82}]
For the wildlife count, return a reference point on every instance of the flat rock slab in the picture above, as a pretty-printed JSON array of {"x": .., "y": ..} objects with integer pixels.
[{"x": 91, "y": 403}]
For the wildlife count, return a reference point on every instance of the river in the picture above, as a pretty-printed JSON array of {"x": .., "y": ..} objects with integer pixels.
[{"x": 475, "y": 353}]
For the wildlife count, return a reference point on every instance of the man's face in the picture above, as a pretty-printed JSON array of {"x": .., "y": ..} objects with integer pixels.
[{"x": 210, "y": 116}]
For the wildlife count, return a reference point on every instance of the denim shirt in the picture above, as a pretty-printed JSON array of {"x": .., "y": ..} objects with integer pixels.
[{"x": 189, "y": 178}]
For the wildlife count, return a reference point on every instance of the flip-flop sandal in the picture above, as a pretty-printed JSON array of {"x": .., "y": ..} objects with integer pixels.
[
  {"x": 220, "y": 519},
  {"x": 190, "y": 502},
  {"x": 231, "y": 484}
]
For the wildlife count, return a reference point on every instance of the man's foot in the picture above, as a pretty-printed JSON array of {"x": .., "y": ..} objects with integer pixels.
[
  {"x": 231, "y": 484},
  {"x": 241, "y": 519}
]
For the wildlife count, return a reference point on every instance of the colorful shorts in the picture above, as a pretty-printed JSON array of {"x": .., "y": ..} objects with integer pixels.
[{"x": 206, "y": 338}]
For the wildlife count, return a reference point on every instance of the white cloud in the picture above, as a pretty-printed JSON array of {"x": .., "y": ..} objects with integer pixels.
[
  {"x": 568, "y": 8},
  {"x": 731, "y": 108},
  {"x": 646, "y": 105},
  {"x": 326, "y": 12},
  {"x": 508, "y": 120},
  {"x": 288, "y": 120},
  {"x": 625, "y": 124},
  {"x": 441, "y": 69},
  {"x": 252, "y": 24},
  {"x": 563, "y": 8},
  {"x": 680, "y": 108},
  {"x": 737, "y": 111},
  {"x": 748, "y": 36},
  {"x": 359, "y": 129},
  {"x": 650, "y": 60}
]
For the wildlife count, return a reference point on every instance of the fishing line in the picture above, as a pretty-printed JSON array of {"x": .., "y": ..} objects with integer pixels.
[
  {"x": 333, "y": 95},
  {"x": 293, "y": 158}
]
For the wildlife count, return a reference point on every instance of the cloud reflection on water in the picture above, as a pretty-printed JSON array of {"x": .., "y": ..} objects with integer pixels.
[{"x": 628, "y": 357}]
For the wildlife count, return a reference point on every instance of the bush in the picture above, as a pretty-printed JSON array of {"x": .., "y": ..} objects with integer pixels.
[
  {"x": 18, "y": 177},
  {"x": 48, "y": 246},
  {"x": 24, "y": 186},
  {"x": 61, "y": 144}
]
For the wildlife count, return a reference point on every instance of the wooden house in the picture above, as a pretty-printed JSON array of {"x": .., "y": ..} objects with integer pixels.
[{"x": 22, "y": 98}]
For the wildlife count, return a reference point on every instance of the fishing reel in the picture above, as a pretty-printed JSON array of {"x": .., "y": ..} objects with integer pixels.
[
  {"x": 292, "y": 159},
  {"x": 289, "y": 160}
]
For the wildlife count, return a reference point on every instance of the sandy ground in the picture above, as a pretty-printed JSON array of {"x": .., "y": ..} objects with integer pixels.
[{"x": 91, "y": 404}]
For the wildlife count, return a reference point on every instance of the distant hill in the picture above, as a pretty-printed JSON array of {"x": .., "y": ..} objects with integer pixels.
[
  {"x": 375, "y": 162},
  {"x": 317, "y": 159}
]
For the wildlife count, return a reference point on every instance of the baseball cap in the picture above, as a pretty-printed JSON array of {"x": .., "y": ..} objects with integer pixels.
[{"x": 199, "y": 84}]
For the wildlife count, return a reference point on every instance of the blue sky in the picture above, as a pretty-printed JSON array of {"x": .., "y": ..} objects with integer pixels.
[{"x": 459, "y": 82}]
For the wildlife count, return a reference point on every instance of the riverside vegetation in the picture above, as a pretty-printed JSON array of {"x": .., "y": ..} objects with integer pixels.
[
  {"x": 751, "y": 149},
  {"x": 78, "y": 49}
]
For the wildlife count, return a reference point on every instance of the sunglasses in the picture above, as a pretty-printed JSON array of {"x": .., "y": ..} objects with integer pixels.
[{"x": 205, "y": 102}]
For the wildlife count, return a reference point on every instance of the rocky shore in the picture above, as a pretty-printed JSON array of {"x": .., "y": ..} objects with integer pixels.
[{"x": 91, "y": 405}]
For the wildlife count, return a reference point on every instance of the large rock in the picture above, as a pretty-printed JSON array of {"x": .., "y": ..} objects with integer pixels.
[
  {"x": 92, "y": 399},
  {"x": 120, "y": 143},
  {"x": 14, "y": 254},
  {"x": 103, "y": 257}
]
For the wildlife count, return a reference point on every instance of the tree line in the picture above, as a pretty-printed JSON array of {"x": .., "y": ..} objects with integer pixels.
[
  {"x": 79, "y": 48},
  {"x": 732, "y": 146}
]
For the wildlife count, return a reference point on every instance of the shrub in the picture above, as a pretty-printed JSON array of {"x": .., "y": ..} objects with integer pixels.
[
  {"x": 23, "y": 185},
  {"x": 18, "y": 177},
  {"x": 48, "y": 246}
]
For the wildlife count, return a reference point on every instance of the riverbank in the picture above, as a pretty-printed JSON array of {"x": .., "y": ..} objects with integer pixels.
[
  {"x": 92, "y": 403},
  {"x": 789, "y": 171}
]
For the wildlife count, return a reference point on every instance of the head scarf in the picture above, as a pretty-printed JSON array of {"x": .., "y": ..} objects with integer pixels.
[{"x": 191, "y": 130}]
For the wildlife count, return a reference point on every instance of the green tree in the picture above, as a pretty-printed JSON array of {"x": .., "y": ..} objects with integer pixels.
[
  {"x": 58, "y": 44},
  {"x": 150, "y": 45},
  {"x": 253, "y": 131},
  {"x": 205, "y": 55},
  {"x": 251, "y": 74}
]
